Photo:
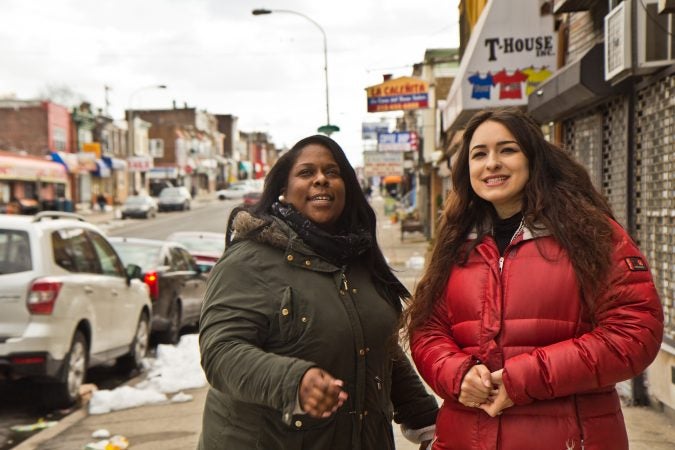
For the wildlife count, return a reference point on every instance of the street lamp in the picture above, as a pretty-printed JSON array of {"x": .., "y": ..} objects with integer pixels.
[
  {"x": 328, "y": 128},
  {"x": 131, "y": 129}
]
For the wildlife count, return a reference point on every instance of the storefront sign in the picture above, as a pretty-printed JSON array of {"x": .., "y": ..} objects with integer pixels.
[
  {"x": 369, "y": 131},
  {"x": 400, "y": 141},
  {"x": 382, "y": 163},
  {"x": 505, "y": 60},
  {"x": 139, "y": 163},
  {"x": 399, "y": 94}
]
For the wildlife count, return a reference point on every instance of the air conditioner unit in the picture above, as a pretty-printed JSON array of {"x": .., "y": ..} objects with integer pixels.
[
  {"x": 618, "y": 64},
  {"x": 654, "y": 46}
]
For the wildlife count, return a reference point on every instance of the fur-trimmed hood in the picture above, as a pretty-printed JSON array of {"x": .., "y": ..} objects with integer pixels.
[{"x": 271, "y": 232}]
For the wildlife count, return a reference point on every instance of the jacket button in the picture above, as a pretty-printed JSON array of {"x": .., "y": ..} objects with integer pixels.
[
  {"x": 284, "y": 312},
  {"x": 365, "y": 413},
  {"x": 298, "y": 423},
  {"x": 308, "y": 262},
  {"x": 362, "y": 352},
  {"x": 289, "y": 257},
  {"x": 303, "y": 319},
  {"x": 354, "y": 291}
]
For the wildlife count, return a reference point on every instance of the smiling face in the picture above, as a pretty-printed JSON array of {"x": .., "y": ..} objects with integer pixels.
[
  {"x": 315, "y": 186},
  {"x": 498, "y": 168}
]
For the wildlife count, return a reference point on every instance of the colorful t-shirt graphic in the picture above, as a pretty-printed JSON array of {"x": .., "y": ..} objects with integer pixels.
[
  {"x": 535, "y": 78},
  {"x": 481, "y": 86},
  {"x": 510, "y": 84}
]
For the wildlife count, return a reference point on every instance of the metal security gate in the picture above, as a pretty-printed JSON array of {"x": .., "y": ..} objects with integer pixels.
[{"x": 654, "y": 201}]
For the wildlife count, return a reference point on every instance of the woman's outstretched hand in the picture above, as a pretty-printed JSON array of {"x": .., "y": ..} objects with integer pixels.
[
  {"x": 501, "y": 400},
  {"x": 320, "y": 394},
  {"x": 477, "y": 387}
]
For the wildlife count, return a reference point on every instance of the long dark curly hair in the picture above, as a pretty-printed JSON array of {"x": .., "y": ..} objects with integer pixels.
[
  {"x": 357, "y": 214},
  {"x": 559, "y": 195}
]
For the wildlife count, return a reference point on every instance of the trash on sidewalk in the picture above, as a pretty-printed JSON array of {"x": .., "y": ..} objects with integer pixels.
[
  {"x": 86, "y": 392},
  {"x": 117, "y": 442},
  {"x": 181, "y": 397},
  {"x": 41, "y": 424},
  {"x": 101, "y": 433}
]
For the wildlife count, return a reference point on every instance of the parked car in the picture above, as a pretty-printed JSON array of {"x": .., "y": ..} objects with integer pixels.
[
  {"x": 176, "y": 283},
  {"x": 251, "y": 198},
  {"x": 206, "y": 247},
  {"x": 174, "y": 198},
  {"x": 234, "y": 191},
  {"x": 66, "y": 303},
  {"x": 139, "y": 206}
]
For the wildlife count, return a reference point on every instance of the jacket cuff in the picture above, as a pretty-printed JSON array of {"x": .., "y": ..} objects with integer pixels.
[
  {"x": 291, "y": 387},
  {"x": 420, "y": 435}
]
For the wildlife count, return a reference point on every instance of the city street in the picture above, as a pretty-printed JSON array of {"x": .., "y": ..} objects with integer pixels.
[{"x": 176, "y": 426}]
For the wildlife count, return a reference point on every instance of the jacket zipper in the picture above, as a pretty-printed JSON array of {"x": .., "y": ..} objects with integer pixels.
[
  {"x": 345, "y": 285},
  {"x": 501, "y": 263},
  {"x": 581, "y": 430}
]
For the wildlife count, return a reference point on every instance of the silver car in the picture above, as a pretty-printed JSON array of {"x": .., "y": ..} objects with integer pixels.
[{"x": 66, "y": 303}]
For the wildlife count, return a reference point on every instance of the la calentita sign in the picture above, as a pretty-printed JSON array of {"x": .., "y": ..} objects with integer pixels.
[{"x": 398, "y": 94}]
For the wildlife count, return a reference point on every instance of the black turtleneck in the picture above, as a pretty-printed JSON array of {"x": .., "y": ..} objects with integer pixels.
[{"x": 504, "y": 229}]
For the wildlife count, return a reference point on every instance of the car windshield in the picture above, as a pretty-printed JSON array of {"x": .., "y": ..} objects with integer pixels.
[
  {"x": 146, "y": 256},
  {"x": 201, "y": 244},
  {"x": 170, "y": 192},
  {"x": 14, "y": 252},
  {"x": 136, "y": 201}
]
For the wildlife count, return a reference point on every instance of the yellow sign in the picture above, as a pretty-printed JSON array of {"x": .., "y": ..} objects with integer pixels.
[
  {"x": 92, "y": 147},
  {"x": 398, "y": 94}
]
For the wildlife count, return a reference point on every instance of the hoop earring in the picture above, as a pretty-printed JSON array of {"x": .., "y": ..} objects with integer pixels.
[{"x": 281, "y": 198}]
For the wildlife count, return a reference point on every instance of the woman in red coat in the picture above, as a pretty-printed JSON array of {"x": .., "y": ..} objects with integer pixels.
[{"x": 535, "y": 302}]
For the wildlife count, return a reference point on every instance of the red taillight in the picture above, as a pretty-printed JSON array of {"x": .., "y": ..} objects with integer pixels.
[
  {"x": 152, "y": 280},
  {"x": 24, "y": 360},
  {"x": 42, "y": 296}
]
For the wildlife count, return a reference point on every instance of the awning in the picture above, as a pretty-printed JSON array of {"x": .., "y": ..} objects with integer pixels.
[
  {"x": 102, "y": 170},
  {"x": 67, "y": 160},
  {"x": 575, "y": 86},
  {"x": 31, "y": 169},
  {"x": 503, "y": 61},
  {"x": 392, "y": 179}
]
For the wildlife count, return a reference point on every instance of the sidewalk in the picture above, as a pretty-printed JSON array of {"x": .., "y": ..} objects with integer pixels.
[{"x": 176, "y": 426}]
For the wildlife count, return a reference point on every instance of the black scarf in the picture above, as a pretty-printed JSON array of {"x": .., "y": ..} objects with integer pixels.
[{"x": 338, "y": 248}]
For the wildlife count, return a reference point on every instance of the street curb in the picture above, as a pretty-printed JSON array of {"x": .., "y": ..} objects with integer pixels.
[{"x": 48, "y": 433}]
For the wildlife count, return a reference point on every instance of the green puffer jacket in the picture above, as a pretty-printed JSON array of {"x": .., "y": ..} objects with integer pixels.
[{"x": 274, "y": 309}]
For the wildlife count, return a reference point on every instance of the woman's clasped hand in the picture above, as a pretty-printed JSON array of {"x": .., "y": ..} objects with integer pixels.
[
  {"x": 320, "y": 394},
  {"x": 484, "y": 390}
]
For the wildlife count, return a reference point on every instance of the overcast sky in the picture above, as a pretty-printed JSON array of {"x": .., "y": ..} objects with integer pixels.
[{"x": 214, "y": 55}]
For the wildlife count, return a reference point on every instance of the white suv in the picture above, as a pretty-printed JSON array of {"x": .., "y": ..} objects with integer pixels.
[{"x": 66, "y": 303}]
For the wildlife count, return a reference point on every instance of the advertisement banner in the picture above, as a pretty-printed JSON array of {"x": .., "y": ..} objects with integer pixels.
[
  {"x": 382, "y": 164},
  {"x": 369, "y": 131},
  {"x": 399, "y": 141},
  {"x": 402, "y": 93}
]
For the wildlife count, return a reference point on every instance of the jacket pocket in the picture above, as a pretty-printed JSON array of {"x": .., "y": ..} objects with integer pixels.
[{"x": 292, "y": 316}]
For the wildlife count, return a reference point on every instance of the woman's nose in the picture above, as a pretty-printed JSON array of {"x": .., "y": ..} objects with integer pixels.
[
  {"x": 320, "y": 179},
  {"x": 493, "y": 161}
]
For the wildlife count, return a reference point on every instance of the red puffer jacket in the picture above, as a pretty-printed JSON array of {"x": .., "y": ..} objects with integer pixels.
[{"x": 560, "y": 363}]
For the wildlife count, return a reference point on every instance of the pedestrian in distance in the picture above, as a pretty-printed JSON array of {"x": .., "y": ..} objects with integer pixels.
[
  {"x": 101, "y": 201},
  {"x": 299, "y": 326},
  {"x": 535, "y": 301}
]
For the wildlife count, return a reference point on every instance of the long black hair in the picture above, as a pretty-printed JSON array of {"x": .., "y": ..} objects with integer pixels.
[{"x": 357, "y": 214}]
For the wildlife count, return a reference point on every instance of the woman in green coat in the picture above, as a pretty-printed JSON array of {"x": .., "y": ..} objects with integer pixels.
[{"x": 299, "y": 323}]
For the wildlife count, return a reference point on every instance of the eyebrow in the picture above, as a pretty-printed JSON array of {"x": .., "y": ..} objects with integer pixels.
[{"x": 500, "y": 143}]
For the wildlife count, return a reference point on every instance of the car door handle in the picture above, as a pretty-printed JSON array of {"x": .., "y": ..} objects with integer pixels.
[{"x": 88, "y": 290}]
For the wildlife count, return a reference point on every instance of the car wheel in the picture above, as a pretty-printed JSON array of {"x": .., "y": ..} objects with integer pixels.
[
  {"x": 124, "y": 217},
  {"x": 139, "y": 347},
  {"x": 67, "y": 390},
  {"x": 172, "y": 334},
  {"x": 222, "y": 197}
]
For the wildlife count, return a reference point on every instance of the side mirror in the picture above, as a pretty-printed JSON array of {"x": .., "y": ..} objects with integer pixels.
[{"x": 133, "y": 271}]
